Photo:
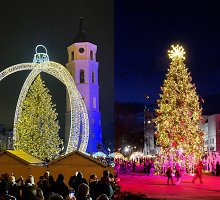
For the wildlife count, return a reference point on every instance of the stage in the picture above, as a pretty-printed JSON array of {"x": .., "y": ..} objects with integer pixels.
[{"x": 156, "y": 187}]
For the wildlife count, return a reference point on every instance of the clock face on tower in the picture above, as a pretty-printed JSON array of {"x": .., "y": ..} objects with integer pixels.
[{"x": 81, "y": 50}]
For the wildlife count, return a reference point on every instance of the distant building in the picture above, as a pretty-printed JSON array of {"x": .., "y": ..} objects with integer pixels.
[
  {"x": 149, "y": 129},
  {"x": 211, "y": 128},
  {"x": 6, "y": 139}
]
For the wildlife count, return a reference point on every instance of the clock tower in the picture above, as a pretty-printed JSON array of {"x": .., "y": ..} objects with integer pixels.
[{"x": 83, "y": 67}]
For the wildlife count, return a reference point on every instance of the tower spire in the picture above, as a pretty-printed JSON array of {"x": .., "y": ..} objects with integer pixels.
[
  {"x": 81, "y": 37},
  {"x": 81, "y": 25}
]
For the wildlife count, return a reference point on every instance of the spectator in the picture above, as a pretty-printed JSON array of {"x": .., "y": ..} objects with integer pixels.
[
  {"x": 60, "y": 187},
  {"x": 83, "y": 192},
  {"x": 104, "y": 185},
  {"x": 39, "y": 195},
  {"x": 55, "y": 196},
  {"x": 169, "y": 176},
  {"x": 217, "y": 168},
  {"x": 3, "y": 186},
  {"x": 71, "y": 181},
  {"x": 29, "y": 190},
  {"x": 79, "y": 179},
  {"x": 93, "y": 185},
  {"x": 14, "y": 188},
  {"x": 102, "y": 197},
  {"x": 198, "y": 173}
]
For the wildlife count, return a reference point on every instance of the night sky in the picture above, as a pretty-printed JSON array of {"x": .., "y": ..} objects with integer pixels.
[
  {"x": 25, "y": 24},
  {"x": 144, "y": 31}
]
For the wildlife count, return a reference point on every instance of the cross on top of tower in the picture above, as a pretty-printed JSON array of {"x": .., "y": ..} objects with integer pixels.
[{"x": 81, "y": 37}]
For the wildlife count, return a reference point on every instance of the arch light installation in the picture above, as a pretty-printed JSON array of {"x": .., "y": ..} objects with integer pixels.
[{"x": 79, "y": 117}]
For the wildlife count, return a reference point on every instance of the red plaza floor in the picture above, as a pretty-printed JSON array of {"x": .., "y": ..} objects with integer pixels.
[{"x": 156, "y": 187}]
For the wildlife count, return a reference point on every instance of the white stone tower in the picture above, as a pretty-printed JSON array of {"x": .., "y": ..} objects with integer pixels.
[{"x": 84, "y": 69}]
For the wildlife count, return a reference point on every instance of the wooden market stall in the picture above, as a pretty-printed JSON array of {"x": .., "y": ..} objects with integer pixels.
[
  {"x": 74, "y": 162},
  {"x": 21, "y": 163}
]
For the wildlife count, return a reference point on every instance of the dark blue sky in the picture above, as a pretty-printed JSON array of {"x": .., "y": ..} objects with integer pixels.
[{"x": 144, "y": 31}]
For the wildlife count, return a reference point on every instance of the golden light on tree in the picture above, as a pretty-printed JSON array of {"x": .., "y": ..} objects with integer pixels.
[
  {"x": 37, "y": 126},
  {"x": 178, "y": 114}
]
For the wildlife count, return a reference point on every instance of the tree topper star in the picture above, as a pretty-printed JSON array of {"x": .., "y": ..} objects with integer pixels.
[{"x": 177, "y": 52}]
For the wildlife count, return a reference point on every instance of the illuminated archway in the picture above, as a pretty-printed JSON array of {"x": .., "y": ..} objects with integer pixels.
[
  {"x": 78, "y": 110},
  {"x": 136, "y": 155},
  {"x": 118, "y": 155}
]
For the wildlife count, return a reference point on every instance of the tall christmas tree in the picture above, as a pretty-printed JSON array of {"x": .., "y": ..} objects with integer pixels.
[
  {"x": 177, "y": 122},
  {"x": 37, "y": 127}
]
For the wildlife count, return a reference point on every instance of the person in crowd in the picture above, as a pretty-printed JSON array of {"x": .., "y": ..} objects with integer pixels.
[
  {"x": 71, "y": 181},
  {"x": 60, "y": 187},
  {"x": 49, "y": 186},
  {"x": 93, "y": 185},
  {"x": 83, "y": 192},
  {"x": 198, "y": 173},
  {"x": 178, "y": 174},
  {"x": 13, "y": 188},
  {"x": 102, "y": 197},
  {"x": 79, "y": 179},
  {"x": 213, "y": 168},
  {"x": 104, "y": 185},
  {"x": 117, "y": 167},
  {"x": 145, "y": 167},
  {"x": 29, "y": 190},
  {"x": 3, "y": 186},
  {"x": 133, "y": 166},
  {"x": 55, "y": 196},
  {"x": 217, "y": 168},
  {"x": 151, "y": 168},
  {"x": 39, "y": 195},
  {"x": 40, "y": 183},
  {"x": 46, "y": 175},
  {"x": 169, "y": 176}
]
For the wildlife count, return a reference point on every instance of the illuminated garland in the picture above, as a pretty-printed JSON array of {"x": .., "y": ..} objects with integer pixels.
[
  {"x": 136, "y": 155},
  {"x": 118, "y": 155}
]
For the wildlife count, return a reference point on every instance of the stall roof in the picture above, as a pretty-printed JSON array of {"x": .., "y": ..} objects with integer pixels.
[
  {"x": 80, "y": 154},
  {"x": 23, "y": 156}
]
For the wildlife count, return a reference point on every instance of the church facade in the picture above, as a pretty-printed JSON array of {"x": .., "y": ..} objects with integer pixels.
[{"x": 83, "y": 67}]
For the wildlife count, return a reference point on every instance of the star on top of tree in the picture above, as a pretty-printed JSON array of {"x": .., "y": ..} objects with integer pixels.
[{"x": 177, "y": 52}]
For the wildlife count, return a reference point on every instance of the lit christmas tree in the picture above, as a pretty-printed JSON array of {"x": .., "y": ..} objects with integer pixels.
[
  {"x": 178, "y": 133},
  {"x": 37, "y": 127}
]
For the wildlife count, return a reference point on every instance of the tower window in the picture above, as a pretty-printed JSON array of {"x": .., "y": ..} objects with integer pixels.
[
  {"x": 93, "y": 77},
  {"x": 72, "y": 55},
  {"x": 91, "y": 55},
  {"x": 94, "y": 102},
  {"x": 82, "y": 76},
  {"x": 81, "y": 50}
]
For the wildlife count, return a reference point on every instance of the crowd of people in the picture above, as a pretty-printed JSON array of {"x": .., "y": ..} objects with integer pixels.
[
  {"x": 47, "y": 188},
  {"x": 147, "y": 166},
  {"x": 140, "y": 164}
]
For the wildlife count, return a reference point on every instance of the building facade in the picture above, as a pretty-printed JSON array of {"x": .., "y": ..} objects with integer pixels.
[
  {"x": 6, "y": 138},
  {"x": 83, "y": 67},
  {"x": 211, "y": 128},
  {"x": 149, "y": 129}
]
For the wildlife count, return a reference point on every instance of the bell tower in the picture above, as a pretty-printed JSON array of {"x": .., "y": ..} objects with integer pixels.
[{"x": 83, "y": 67}]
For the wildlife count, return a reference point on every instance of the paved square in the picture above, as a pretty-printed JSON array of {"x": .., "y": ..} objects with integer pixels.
[{"x": 156, "y": 187}]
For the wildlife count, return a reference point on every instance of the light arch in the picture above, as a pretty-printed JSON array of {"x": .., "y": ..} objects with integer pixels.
[{"x": 78, "y": 110}]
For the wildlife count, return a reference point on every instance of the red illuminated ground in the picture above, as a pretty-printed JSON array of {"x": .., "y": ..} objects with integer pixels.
[{"x": 156, "y": 187}]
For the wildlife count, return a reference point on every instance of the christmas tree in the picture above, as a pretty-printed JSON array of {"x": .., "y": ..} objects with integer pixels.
[
  {"x": 37, "y": 127},
  {"x": 177, "y": 122}
]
